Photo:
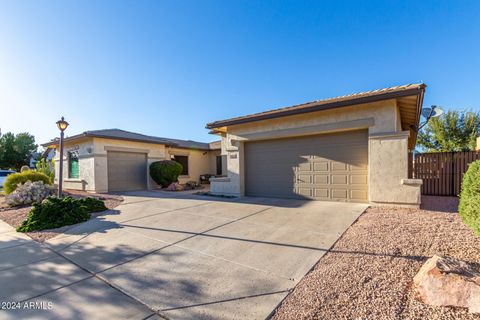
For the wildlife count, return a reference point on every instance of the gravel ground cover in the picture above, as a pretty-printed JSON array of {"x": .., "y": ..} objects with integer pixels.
[
  {"x": 368, "y": 273},
  {"x": 15, "y": 216}
]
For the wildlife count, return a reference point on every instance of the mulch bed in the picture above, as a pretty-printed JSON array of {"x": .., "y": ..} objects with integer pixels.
[
  {"x": 15, "y": 216},
  {"x": 368, "y": 273}
]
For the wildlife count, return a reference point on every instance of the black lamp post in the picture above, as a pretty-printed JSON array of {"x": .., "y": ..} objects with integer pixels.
[{"x": 62, "y": 125}]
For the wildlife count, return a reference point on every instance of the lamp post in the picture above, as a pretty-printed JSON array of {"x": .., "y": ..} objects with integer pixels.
[{"x": 62, "y": 125}]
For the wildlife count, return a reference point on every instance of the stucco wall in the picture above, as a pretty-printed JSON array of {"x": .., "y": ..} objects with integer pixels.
[
  {"x": 86, "y": 181},
  {"x": 213, "y": 161},
  {"x": 155, "y": 152},
  {"x": 93, "y": 161},
  {"x": 199, "y": 162},
  {"x": 379, "y": 118},
  {"x": 388, "y": 170}
]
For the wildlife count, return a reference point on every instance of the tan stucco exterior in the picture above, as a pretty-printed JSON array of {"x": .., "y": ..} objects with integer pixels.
[
  {"x": 199, "y": 162},
  {"x": 92, "y": 154},
  {"x": 387, "y": 150}
]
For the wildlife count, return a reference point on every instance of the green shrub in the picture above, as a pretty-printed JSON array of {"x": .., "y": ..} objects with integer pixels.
[
  {"x": 14, "y": 179},
  {"x": 92, "y": 204},
  {"x": 165, "y": 172},
  {"x": 59, "y": 212},
  {"x": 469, "y": 208},
  {"x": 46, "y": 167}
]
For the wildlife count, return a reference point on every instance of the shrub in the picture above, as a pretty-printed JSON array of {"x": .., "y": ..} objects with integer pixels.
[
  {"x": 29, "y": 192},
  {"x": 93, "y": 205},
  {"x": 469, "y": 208},
  {"x": 47, "y": 168},
  {"x": 58, "y": 212},
  {"x": 165, "y": 172},
  {"x": 15, "y": 179}
]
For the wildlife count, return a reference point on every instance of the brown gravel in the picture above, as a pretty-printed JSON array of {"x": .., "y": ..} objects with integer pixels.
[
  {"x": 15, "y": 216},
  {"x": 368, "y": 273}
]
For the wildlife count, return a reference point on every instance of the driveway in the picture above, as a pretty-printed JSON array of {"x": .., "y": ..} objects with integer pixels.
[{"x": 173, "y": 256}]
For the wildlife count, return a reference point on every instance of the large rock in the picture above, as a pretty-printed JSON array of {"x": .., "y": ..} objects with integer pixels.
[{"x": 444, "y": 281}]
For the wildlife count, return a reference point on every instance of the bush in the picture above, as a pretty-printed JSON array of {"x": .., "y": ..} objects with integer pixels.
[
  {"x": 165, "y": 172},
  {"x": 29, "y": 192},
  {"x": 15, "y": 179},
  {"x": 469, "y": 208},
  {"x": 58, "y": 212}
]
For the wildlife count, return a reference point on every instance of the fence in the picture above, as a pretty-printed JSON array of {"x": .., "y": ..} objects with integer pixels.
[{"x": 441, "y": 172}]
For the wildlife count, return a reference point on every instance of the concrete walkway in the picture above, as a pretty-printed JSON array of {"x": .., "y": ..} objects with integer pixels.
[{"x": 167, "y": 255}]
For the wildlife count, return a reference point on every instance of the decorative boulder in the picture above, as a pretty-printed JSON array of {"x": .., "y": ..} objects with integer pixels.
[{"x": 445, "y": 281}]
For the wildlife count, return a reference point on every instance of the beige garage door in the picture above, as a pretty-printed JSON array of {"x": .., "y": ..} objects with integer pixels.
[
  {"x": 329, "y": 167},
  {"x": 126, "y": 171}
]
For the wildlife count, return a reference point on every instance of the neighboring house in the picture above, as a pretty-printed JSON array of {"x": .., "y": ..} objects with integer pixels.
[
  {"x": 350, "y": 148},
  {"x": 118, "y": 160},
  {"x": 33, "y": 159},
  {"x": 48, "y": 154}
]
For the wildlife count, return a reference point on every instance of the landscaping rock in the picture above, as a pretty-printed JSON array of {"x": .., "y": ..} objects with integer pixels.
[
  {"x": 445, "y": 281},
  {"x": 28, "y": 193},
  {"x": 174, "y": 187}
]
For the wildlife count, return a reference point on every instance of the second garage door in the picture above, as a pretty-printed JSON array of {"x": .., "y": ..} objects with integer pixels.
[
  {"x": 322, "y": 167},
  {"x": 126, "y": 171}
]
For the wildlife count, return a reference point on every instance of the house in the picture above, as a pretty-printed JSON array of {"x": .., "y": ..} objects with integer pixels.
[
  {"x": 48, "y": 154},
  {"x": 351, "y": 148},
  {"x": 117, "y": 160}
]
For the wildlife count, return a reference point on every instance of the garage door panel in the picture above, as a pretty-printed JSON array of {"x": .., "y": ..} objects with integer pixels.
[
  {"x": 126, "y": 171},
  {"x": 322, "y": 167},
  {"x": 339, "y": 194},
  {"x": 359, "y": 179}
]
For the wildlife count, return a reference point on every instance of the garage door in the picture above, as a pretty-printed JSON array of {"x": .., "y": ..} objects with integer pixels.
[
  {"x": 126, "y": 171},
  {"x": 330, "y": 167}
]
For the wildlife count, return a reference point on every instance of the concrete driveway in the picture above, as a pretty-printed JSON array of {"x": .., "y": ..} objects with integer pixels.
[{"x": 173, "y": 256}]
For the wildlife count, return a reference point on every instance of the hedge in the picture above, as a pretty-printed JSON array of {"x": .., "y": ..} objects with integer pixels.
[
  {"x": 14, "y": 179},
  {"x": 469, "y": 208},
  {"x": 165, "y": 172}
]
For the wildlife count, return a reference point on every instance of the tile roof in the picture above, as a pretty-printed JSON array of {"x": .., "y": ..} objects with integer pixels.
[
  {"x": 340, "y": 101},
  {"x": 133, "y": 136}
]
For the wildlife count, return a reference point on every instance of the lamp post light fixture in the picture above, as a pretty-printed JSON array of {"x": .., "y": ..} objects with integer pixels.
[{"x": 62, "y": 125}]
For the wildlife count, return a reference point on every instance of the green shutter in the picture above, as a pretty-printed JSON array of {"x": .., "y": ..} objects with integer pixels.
[{"x": 73, "y": 169}]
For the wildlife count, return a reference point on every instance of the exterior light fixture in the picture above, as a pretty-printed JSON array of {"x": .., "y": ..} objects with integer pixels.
[{"x": 62, "y": 125}]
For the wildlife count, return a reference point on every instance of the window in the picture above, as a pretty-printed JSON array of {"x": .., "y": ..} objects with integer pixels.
[
  {"x": 183, "y": 160},
  {"x": 73, "y": 169},
  {"x": 219, "y": 165}
]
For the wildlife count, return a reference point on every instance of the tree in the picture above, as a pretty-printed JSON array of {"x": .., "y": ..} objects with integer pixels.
[
  {"x": 15, "y": 150},
  {"x": 452, "y": 131}
]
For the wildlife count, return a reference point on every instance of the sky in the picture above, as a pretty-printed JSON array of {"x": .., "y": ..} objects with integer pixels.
[{"x": 166, "y": 68}]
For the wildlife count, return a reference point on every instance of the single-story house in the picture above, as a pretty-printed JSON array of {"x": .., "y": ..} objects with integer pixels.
[
  {"x": 117, "y": 160},
  {"x": 350, "y": 148}
]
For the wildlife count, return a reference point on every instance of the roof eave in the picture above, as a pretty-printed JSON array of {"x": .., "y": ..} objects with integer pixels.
[
  {"x": 419, "y": 111},
  {"x": 89, "y": 135},
  {"x": 319, "y": 107}
]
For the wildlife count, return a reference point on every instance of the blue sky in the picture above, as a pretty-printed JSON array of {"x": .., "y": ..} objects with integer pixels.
[{"x": 166, "y": 68}]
